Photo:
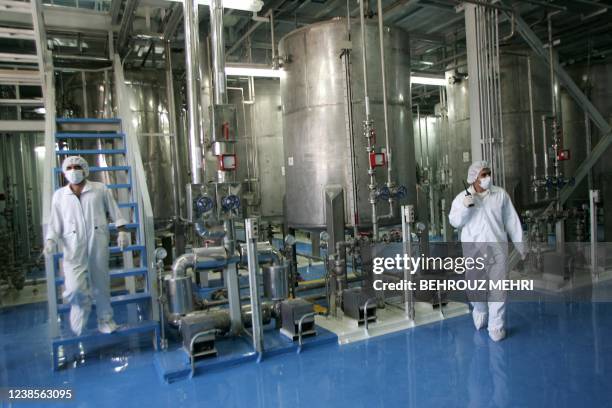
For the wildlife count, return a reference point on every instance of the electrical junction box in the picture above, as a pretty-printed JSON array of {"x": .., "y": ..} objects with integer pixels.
[
  {"x": 563, "y": 155},
  {"x": 228, "y": 162},
  {"x": 378, "y": 159}
]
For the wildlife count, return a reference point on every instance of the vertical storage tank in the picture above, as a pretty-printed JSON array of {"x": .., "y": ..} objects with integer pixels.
[
  {"x": 316, "y": 127},
  {"x": 517, "y": 144}
]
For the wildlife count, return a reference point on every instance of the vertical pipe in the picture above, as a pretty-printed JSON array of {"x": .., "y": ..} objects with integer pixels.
[
  {"x": 218, "y": 51},
  {"x": 176, "y": 177},
  {"x": 273, "y": 39},
  {"x": 384, "y": 91},
  {"x": 589, "y": 135},
  {"x": 552, "y": 70},
  {"x": 545, "y": 150},
  {"x": 532, "y": 126},
  {"x": 364, "y": 60},
  {"x": 368, "y": 123},
  {"x": 84, "y": 90},
  {"x": 192, "y": 64},
  {"x": 593, "y": 198}
]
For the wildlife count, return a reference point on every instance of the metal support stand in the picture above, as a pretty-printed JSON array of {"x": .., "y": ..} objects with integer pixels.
[
  {"x": 593, "y": 200},
  {"x": 252, "y": 232},
  {"x": 407, "y": 220},
  {"x": 230, "y": 277}
]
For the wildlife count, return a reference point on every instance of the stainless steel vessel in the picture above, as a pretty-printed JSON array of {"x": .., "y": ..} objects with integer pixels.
[
  {"x": 276, "y": 281},
  {"x": 517, "y": 142},
  {"x": 316, "y": 128},
  {"x": 179, "y": 293}
]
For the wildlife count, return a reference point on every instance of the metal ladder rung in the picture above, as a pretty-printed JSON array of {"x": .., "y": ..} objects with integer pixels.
[
  {"x": 23, "y": 102},
  {"x": 12, "y": 57},
  {"x": 17, "y": 33},
  {"x": 90, "y": 151},
  {"x": 16, "y": 6},
  {"x": 105, "y": 135}
]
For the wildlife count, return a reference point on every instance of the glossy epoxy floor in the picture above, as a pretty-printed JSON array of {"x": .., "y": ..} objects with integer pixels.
[{"x": 556, "y": 355}]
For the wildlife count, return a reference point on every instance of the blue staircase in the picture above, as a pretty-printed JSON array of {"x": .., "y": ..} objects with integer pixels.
[{"x": 71, "y": 134}]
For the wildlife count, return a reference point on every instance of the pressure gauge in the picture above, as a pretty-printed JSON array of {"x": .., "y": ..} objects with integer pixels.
[{"x": 160, "y": 253}]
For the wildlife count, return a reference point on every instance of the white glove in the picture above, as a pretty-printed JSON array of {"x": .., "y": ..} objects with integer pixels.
[
  {"x": 50, "y": 247},
  {"x": 468, "y": 201},
  {"x": 123, "y": 240}
]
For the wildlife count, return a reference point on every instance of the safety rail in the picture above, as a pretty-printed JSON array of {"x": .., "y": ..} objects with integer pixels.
[{"x": 141, "y": 193}]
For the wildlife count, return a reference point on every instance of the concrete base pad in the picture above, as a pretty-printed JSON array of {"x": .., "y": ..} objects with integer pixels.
[{"x": 389, "y": 320}]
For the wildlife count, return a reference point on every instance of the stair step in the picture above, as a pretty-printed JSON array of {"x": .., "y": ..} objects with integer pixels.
[
  {"x": 99, "y": 169},
  {"x": 16, "y": 6},
  {"x": 87, "y": 120},
  {"x": 131, "y": 225},
  {"x": 101, "y": 135},
  {"x": 17, "y": 33},
  {"x": 90, "y": 151},
  {"x": 19, "y": 76},
  {"x": 113, "y": 250},
  {"x": 131, "y": 248},
  {"x": 123, "y": 330},
  {"x": 127, "y": 205},
  {"x": 115, "y": 301},
  {"x": 114, "y": 273},
  {"x": 20, "y": 58}
]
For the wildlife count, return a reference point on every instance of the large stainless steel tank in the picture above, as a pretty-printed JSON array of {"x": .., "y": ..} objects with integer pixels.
[
  {"x": 517, "y": 145},
  {"x": 596, "y": 82},
  {"x": 315, "y": 124},
  {"x": 260, "y": 145},
  {"x": 149, "y": 106}
]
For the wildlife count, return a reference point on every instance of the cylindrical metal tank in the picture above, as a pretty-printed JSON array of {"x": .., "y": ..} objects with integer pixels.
[
  {"x": 517, "y": 145},
  {"x": 179, "y": 292},
  {"x": 596, "y": 83},
  {"x": 276, "y": 281},
  {"x": 260, "y": 145},
  {"x": 149, "y": 106},
  {"x": 316, "y": 129}
]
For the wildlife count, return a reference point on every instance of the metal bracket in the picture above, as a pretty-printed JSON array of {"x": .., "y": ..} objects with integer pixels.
[{"x": 300, "y": 343}]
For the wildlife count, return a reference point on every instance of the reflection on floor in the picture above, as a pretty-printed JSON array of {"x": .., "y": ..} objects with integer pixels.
[{"x": 556, "y": 354}]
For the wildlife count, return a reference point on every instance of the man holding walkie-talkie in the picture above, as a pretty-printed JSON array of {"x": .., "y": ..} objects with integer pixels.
[{"x": 486, "y": 217}]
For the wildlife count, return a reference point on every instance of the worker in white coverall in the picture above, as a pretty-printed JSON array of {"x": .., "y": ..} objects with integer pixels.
[
  {"x": 486, "y": 217},
  {"x": 79, "y": 221}
]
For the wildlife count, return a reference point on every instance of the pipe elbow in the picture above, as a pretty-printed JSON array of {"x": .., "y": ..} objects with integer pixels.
[{"x": 180, "y": 265}]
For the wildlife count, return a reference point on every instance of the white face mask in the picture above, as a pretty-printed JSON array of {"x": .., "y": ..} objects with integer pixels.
[
  {"x": 485, "y": 183},
  {"x": 74, "y": 176}
]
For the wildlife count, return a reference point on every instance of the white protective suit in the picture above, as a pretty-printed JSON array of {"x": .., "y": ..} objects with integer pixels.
[
  {"x": 81, "y": 226},
  {"x": 491, "y": 220}
]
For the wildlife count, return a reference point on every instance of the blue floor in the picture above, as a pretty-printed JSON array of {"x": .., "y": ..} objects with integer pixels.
[{"x": 556, "y": 355}]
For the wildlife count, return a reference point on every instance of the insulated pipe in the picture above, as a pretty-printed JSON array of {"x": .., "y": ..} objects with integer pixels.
[
  {"x": 218, "y": 51},
  {"x": 215, "y": 256},
  {"x": 192, "y": 64}
]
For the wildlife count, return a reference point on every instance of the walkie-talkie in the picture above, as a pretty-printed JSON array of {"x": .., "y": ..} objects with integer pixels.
[{"x": 467, "y": 192}]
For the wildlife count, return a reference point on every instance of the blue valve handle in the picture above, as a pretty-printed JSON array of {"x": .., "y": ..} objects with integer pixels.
[
  {"x": 204, "y": 204},
  {"x": 230, "y": 202}
]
